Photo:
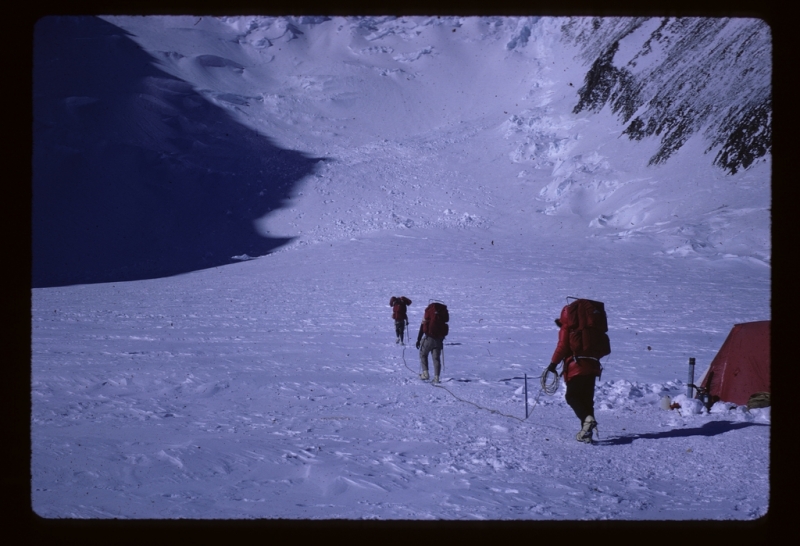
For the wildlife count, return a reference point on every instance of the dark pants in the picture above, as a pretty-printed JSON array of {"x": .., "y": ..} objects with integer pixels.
[
  {"x": 399, "y": 328},
  {"x": 580, "y": 395}
]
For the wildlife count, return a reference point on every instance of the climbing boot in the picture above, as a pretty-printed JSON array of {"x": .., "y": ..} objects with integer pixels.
[{"x": 585, "y": 434}]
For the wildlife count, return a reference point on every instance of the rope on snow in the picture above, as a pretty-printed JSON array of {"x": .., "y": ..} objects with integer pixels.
[
  {"x": 490, "y": 410},
  {"x": 549, "y": 388}
]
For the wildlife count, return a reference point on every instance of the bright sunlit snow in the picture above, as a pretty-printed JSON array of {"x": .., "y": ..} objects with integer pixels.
[{"x": 223, "y": 208}]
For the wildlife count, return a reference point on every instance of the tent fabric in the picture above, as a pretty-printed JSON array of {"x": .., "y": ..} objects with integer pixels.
[{"x": 741, "y": 367}]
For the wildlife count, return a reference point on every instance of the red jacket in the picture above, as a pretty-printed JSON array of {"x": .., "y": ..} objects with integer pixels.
[{"x": 583, "y": 366}]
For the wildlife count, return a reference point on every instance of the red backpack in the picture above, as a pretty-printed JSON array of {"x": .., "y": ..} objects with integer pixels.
[
  {"x": 587, "y": 324},
  {"x": 434, "y": 322},
  {"x": 399, "y": 307}
]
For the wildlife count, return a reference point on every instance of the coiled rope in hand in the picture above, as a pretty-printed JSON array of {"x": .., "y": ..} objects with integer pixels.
[{"x": 549, "y": 387}]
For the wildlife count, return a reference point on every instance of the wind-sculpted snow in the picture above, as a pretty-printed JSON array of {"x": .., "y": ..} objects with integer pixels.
[{"x": 674, "y": 77}]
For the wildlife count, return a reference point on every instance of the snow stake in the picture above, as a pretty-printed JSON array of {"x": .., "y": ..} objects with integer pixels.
[
  {"x": 691, "y": 378},
  {"x": 526, "y": 395}
]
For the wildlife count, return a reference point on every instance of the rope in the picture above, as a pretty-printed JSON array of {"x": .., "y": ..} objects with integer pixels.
[
  {"x": 404, "y": 360},
  {"x": 549, "y": 388},
  {"x": 461, "y": 399},
  {"x": 490, "y": 410},
  {"x": 545, "y": 388}
]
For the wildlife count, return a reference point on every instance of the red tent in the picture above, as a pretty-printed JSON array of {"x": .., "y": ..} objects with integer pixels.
[{"x": 741, "y": 367}]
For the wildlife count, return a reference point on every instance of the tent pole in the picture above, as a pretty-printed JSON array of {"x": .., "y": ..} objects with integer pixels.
[{"x": 691, "y": 378}]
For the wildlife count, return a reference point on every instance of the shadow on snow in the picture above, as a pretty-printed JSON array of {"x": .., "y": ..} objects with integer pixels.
[
  {"x": 136, "y": 175},
  {"x": 712, "y": 428}
]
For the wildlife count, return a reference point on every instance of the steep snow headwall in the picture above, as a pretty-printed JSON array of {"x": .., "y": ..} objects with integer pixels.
[{"x": 673, "y": 77}]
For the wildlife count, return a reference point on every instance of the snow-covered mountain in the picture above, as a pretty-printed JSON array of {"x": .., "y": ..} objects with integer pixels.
[
  {"x": 207, "y": 138},
  {"x": 223, "y": 207}
]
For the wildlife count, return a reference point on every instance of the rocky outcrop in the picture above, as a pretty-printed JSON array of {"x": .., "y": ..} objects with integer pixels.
[{"x": 674, "y": 77}]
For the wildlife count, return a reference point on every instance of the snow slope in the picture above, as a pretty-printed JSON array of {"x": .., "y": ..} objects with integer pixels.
[{"x": 449, "y": 163}]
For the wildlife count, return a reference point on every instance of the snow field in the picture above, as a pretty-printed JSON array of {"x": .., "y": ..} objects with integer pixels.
[{"x": 281, "y": 394}]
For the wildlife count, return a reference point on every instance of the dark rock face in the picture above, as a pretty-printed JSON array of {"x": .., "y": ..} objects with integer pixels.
[{"x": 674, "y": 77}]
